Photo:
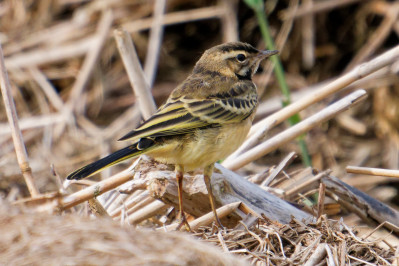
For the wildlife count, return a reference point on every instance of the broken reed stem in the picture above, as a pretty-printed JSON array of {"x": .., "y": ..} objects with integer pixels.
[
  {"x": 154, "y": 44},
  {"x": 260, "y": 129},
  {"x": 296, "y": 130},
  {"x": 286, "y": 161},
  {"x": 320, "y": 202},
  {"x": 95, "y": 190},
  {"x": 16, "y": 134},
  {"x": 135, "y": 73},
  {"x": 372, "y": 171}
]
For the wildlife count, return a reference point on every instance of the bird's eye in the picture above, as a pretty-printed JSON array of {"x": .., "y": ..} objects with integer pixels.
[{"x": 240, "y": 57}]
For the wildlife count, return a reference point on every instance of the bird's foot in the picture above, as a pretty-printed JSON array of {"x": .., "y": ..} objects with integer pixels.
[{"x": 183, "y": 221}]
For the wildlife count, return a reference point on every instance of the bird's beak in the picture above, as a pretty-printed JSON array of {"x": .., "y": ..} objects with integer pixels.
[{"x": 266, "y": 53}]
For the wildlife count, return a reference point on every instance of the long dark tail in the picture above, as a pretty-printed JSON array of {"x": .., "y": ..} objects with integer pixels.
[{"x": 112, "y": 159}]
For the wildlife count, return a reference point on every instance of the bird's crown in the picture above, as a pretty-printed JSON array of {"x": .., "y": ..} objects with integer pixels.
[{"x": 234, "y": 59}]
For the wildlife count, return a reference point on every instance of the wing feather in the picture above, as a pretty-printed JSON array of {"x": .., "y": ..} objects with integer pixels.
[{"x": 181, "y": 116}]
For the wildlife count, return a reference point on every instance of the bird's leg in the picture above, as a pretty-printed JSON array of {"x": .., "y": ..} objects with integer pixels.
[
  {"x": 207, "y": 178},
  {"x": 179, "y": 176}
]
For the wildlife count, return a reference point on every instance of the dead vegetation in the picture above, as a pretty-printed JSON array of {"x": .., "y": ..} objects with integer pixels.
[{"x": 71, "y": 67}]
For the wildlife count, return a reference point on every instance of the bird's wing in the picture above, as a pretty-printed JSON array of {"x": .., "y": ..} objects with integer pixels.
[{"x": 184, "y": 115}]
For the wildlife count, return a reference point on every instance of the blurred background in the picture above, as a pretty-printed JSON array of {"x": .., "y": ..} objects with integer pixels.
[{"x": 74, "y": 99}]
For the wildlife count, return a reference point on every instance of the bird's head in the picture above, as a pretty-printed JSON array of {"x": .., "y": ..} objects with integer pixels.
[{"x": 234, "y": 59}]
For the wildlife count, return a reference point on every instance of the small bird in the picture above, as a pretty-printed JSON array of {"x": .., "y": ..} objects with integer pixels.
[{"x": 205, "y": 118}]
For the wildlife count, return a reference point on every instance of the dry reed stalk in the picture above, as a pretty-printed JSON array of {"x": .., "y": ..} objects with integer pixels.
[
  {"x": 378, "y": 36},
  {"x": 372, "y": 171},
  {"x": 286, "y": 161},
  {"x": 129, "y": 118},
  {"x": 95, "y": 190},
  {"x": 155, "y": 42},
  {"x": 42, "y": 56},
  {"x": 316, "y": 8},
  {"x": 305, "y": 184},
  {"x": 209, "y": 217},
  {"x": 176, "y": 18},
  {"x": 47, "y": 87},
  {"x": 136, "y": 75},
  {"x": 229, "y": 20},
  {"x": 129, "y": 203},
  {"x": 102, "y": 31},
  {"x": 34, "y": 122},
  {"x": 320, "y": 202},
  {"x": 20, "y": 149},
  {"x": 148, "y": 211},
  {"x": 308, "y": 38},
  {"x": 296, "y": 130}
]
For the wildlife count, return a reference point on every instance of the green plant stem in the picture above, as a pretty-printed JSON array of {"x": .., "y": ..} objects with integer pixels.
[{"x": 258, "y": 7}]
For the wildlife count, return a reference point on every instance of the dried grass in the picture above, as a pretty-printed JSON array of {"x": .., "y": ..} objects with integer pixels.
[
  {"x": 296, "y": 243},
  {"x": 43, "y": 239}
]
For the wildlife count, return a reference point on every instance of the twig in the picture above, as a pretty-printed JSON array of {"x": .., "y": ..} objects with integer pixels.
[
  {"x": 154, "y": 44},
  {"x": 12, "y": 117},
  {"x": 330, "y": 256},
  {"x": 363, "y": 262},
  {"x": 259, "y": 130},
  {"x": 97, "y": 209},
  {"x": 287, "y": 160},
  {"x": 296, "y": 130},
  {"x": 222, "y": 242},
  {"x": 378, "y": 227},
  {"x": 307, "y": 183},
  {"x": 378, "y": 36},
  {"x": 33, "y": 122},
  {"x": 317, "y": 7},
  {"x": 49, "y": 55},
  {"x": 372, "y": 171},
  {"x": 319, "y": 254},
  {"x": 47, "y": 88},
  {"x": 176, "y": 18},
  {"x": 136, "y": 75},
  {"x": 102, "y": 33}
]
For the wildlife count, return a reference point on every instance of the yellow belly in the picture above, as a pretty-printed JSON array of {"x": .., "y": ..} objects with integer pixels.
[{"x": 203, "y": 148}]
